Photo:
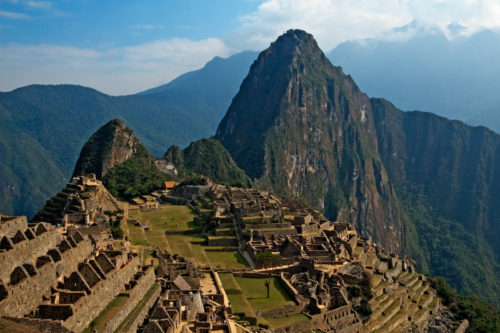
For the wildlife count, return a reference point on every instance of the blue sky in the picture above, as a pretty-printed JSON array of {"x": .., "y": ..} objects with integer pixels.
[
  {"x": 100, "y": 23},
  {"x": 122, "y": 47}
]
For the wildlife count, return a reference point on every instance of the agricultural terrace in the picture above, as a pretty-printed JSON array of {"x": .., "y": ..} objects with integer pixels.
[
  {"x": 249, "y": 295},
  {"x": 175, "y": 228}
]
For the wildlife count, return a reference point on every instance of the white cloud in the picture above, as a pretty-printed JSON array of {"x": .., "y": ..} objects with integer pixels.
[
  {"x": 134, "y": 68},
  {"x": 39, "y": 4},
  {"x": 116, "y": 71},
  {"x": 147, "y": 26},
  {"x": 335, "y": 21},
  {"x": 13, "y": 15}
]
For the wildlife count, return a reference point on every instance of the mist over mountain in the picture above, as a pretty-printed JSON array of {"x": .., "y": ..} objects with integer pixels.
[
  {"x": 455, "y": 78},
  {"x": 46, "y": 126}
]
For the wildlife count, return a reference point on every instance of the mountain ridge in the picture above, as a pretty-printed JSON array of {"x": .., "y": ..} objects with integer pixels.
[
  {"x": 314, "y": 134},
  {"x": 49, "y": 124}
]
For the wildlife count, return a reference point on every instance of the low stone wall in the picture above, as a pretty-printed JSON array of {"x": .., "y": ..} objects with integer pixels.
[
  {"x": 89, "y": 307},
  {"x": 173, "y": 200},
  {"x": 298, "y": 327},
  {"x": 224, "y": 232},
  {"x": 25, "y": 296},
  {"x": 299, "y": 299},
  {"x": 224, "y": 249},
  {"x": 140, "y": 318},
  {"x": 26, "y": 252},
  {"x": 135, "y": 295},
  {"x": 267, "y": 225},
  {"x": 221, "y": 289},
  {"x": 230, "y": 241},
  {"x": 9, "y": 225},
  {"x": 287, "y": 310},
  {"x": 43, "y": 325}
]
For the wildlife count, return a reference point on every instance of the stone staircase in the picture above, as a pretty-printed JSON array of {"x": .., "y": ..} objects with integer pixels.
[{"x": 399, "y": 302}]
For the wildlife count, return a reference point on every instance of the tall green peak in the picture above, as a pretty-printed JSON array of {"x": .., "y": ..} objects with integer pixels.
[
  {"x": 111, "y": 145},
  {"x": 418, "y": 184},
  {"x": 209, "y": 158},
  {"x": 300, "y": 126}
]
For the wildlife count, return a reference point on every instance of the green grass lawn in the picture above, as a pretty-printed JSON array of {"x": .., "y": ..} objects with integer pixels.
[
  {"x": 287, "y": 321},
  {"x": 255, "y": 291},
  {"x": 179, "y": 218},
  {"x": 107, "y": 314},
  {"x": 136, "y": 235},
  {"x": 248, "y": 295},
  {"x": 170, "y": 217},
  {"x": 226, "y": 259},
  {"x": 238, "y": 301}
]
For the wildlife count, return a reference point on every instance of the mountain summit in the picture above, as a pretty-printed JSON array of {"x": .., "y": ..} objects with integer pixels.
[
  {"x": 417, "y": 183},
  {"x": 300, "y": 126},
  {"x": 111, "y": 145}
]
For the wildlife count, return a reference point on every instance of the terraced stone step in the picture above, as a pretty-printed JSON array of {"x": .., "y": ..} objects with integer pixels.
[
  {"x": 412, "y": 281},
  {"x": 52, "y": 210},
  {"x": 68, "y": 190},
  {"x": 420, "y": 292},
  {"x": 389, "y": 312},
  {"x": 415, "y": 286},
  {"x": 62, "y": 196},
  {"x": 397, "y": 320},
  {"x": 425, "y": 300},
  {"x": 377, "y": 312},
  {"x": 407, "y": 278}
]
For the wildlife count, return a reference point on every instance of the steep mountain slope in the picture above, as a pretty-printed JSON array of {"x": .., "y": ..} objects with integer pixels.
[
  {"x": 417, "y": 183},
  {"x": 448, "y": 176},
  {"x": 454, "y": 78},
  {"x": 111, "y": 145},
  {"x": 44, "y": 127},
  {"x": 300, "y": 126},
  {"x": 209, "y": 158}
]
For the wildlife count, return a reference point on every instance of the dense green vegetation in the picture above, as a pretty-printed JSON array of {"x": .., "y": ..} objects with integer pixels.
[
  {"x": 207, "y": 157},
  {"x": 446, "y": 175},
  {"x": 417, "y": 183},
  {"x": 134, "y": 177},
  {"x": 44, "y": 127},
  {"x": 482, "y": 317}
]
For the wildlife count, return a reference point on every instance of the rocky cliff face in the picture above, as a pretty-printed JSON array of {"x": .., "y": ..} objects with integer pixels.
[
  {"x": 447, "y": 175},
  {"x": 111, "y": 145},
  {"x": 417, "y": 183},
  {"x": 300, "y": 126}
]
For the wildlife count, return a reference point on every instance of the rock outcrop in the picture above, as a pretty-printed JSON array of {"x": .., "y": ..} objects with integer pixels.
[
  {"x": 300, "y": 126},
  {"x": 206, "y": 157},
  {"x": 111, "y": 145}
]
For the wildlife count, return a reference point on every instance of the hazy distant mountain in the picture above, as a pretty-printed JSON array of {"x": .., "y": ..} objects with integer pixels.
[
  {"x": 455, "y": 78},
  {"x": 44, "y": 127},
  {"x": 417, "y": 183}
]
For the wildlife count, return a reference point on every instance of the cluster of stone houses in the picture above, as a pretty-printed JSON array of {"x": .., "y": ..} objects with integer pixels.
[
  {"x": 190, "y": 300},
  {"x": 59, "y": 280}
]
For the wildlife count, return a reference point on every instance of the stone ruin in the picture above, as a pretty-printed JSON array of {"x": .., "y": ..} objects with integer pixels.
[
  {"x": 58, "y": 281},
  {"x": 190, "y": 300}
]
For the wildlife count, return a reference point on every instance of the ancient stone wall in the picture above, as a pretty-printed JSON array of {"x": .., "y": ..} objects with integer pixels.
[
  {"x": 25, "y": 296},
  {"x": 44, "y": 326},
  {"x": 140, "y": 318},
  {"x": 9, "y": 225},
  {"x": 88, "y": 307},
  {"x": 29, "y": 245},
  {"x": 145, "y": 280}
]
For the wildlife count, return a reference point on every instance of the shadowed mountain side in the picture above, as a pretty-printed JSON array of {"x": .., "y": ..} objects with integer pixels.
[
  {"x": 456, "y": 78},
  {"x": 300, "y": 126},
  {"x": 209, "y": 158},
  {"x": 61, "y": 118},
  {"x": 417, "y": 183}
]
